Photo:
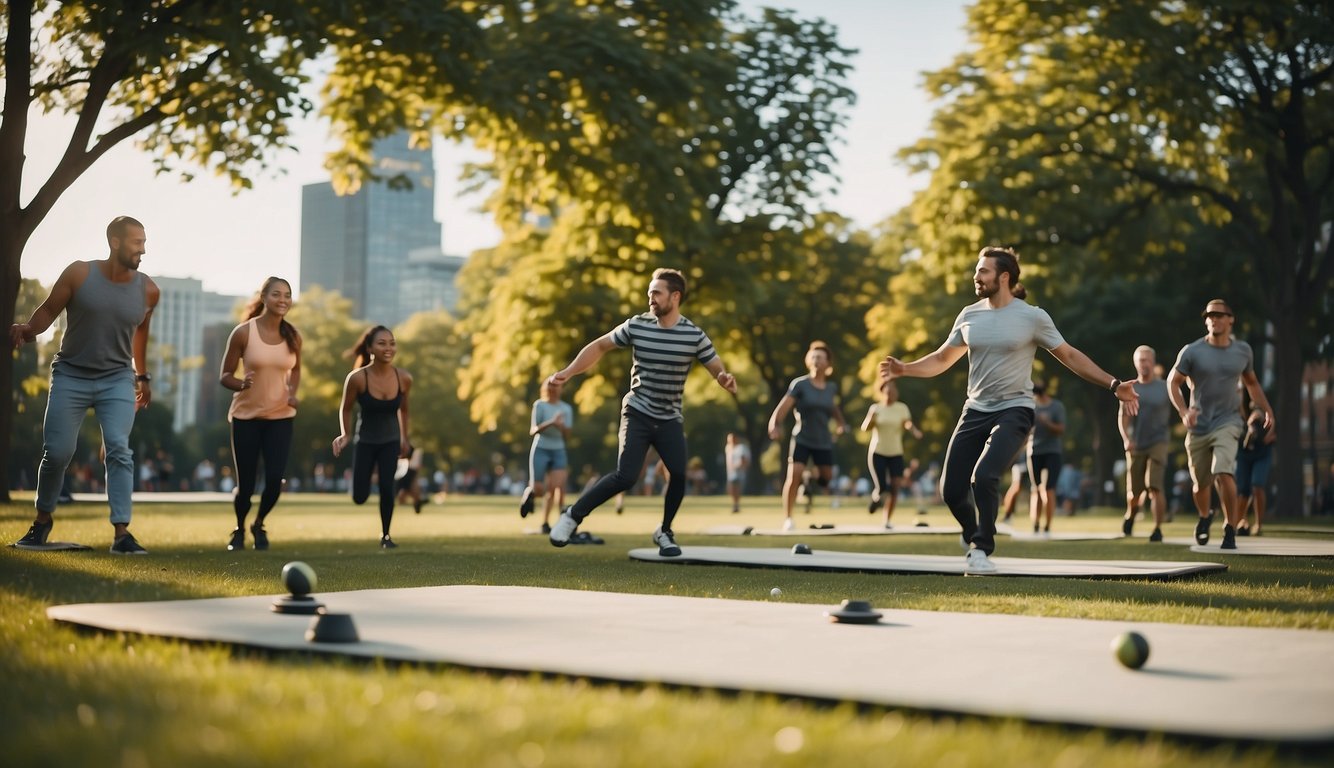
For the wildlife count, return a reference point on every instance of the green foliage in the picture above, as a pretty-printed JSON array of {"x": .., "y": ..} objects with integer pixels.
[
  {"x": 1143, "y": 158},
  {"x": 328, "y": 329}
]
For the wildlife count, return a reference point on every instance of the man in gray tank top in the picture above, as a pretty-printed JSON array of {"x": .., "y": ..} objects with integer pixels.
[
  {"x": 100, "y": 365},
  {"x": 1000, "y": 334},
  {"x": 1144, "y": 437},
  {"x": 1212, "y": 366}
]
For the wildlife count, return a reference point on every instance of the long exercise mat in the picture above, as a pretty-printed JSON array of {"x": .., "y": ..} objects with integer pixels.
[
  {"x": 829, "y": 560},
  {"x": 1043, "y": 669},
  {"x": 830, "y": 529},
  {"x": 1263, "y": 545}
]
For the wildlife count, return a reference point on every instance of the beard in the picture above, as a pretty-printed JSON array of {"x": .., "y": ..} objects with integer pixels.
[{"x": 985, "y": 290}]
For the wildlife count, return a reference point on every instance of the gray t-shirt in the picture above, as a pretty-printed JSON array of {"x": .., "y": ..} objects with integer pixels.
[
  {"x": 551, "y": 438},
  {"x": 1001, "y": 346},
  {"x": 814, "y": 408},
  {"x": 1043, "y": 439},
  {"x": 1150, "y": 426},
  {"x": 1215, "y": 373}
]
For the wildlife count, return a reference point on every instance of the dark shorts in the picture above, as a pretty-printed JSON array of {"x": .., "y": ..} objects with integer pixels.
[
  {"x": 804, "y": 454},
  {"x": 1044, "y": 469}
]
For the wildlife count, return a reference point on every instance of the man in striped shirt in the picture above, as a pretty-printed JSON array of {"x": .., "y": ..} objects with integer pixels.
[{"x": 664, "y": 345}]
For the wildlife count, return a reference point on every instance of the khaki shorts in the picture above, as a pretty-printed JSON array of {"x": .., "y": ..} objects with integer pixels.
[
  {"x": 1212, "y": 454},
  {"x": 1146, "y": 469}
]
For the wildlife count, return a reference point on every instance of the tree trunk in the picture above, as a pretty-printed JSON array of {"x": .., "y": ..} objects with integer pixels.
[
  {"x": 11, "y": 250},
  {"x": 1287, "y": 404}
]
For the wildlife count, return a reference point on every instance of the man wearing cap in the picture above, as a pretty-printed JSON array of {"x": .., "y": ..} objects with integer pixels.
[{"x": 1211, "y": 366}]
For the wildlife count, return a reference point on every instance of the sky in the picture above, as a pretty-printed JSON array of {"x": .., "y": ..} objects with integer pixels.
[{"x": 195, "y": 228}]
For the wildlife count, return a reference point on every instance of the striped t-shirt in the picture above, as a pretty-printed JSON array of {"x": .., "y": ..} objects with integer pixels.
[{"x": 662, "y": 358}]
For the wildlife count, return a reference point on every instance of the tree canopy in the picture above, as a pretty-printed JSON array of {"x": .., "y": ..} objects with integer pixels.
[{"x": 1143, "y": 158}]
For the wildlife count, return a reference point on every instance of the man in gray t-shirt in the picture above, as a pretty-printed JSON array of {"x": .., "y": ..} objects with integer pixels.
[
  {"x": 1212, "y": 367},
  {"x": 1144, "y": 437},
  {"x": 1000, "y": 334}
]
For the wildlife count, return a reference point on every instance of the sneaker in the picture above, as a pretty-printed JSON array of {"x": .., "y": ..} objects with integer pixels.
[
  {"x": 666, "y": 543},
  {"x": 1243, "y": 530},
  {"x": 126, "y": 545},
  {"x": 385, "y": 543},
  {"x": 36, "y": 534},
  {"x": 889, "y": 527},
  {"x": 1202, "y": 530},
  {"x": 1229, "y": 537},
  {"x": 238, "y": 540},
  {"x": 261, "y": 537},
  {"x": 1127, "y": 525},
  {"x": 1156, "y": 536},
  {"x": 417, "y": 506},
  {"x": 526, "y": 506},
  {"x": 546, "y": 528},
  {"x": 788, "y": 524},
  {"x": 564, "y": 528},
  {"x": 976, "y": 561},
  {"x": 584, "y": 537},
  {"x": 873, "y": 505}
]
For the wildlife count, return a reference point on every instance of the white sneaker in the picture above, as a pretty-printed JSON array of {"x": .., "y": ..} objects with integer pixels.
[
  {"x": 976, "y": 561},
  {"x": 889, "y": 527},
  {"x": 788, "y": 524},
  {"x": 563, "y": 529},
  {"x": 666, "y": 543}
]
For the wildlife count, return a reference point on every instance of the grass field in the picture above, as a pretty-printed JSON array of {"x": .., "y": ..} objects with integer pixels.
[{"x": 76, "y": 698}]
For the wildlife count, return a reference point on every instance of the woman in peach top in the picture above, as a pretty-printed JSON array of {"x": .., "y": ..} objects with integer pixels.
[{"x": 268, "y": 350}]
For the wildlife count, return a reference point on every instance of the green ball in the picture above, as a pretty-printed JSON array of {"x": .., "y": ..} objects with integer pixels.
[
  {"x": 1131, "y": 649},
  {"x": 299, "y": 578}
]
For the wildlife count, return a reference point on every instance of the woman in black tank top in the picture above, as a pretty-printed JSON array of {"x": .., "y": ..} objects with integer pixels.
[{"x": 381, "y": 435}]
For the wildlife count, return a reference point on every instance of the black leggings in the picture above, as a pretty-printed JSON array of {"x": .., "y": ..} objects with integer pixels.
[
  {"x": 383, "y": 458},
  {"x": 982, "y": 448},
  {"x": 638, "y": 432},
  {"x": 251, "y": 438}
]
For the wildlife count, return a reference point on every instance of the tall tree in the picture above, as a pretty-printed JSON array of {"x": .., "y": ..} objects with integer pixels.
[
  {"x": 213, "y": 86},
  {"x": 730, "y": 182},
  {"x": 1112, "y": 136}
]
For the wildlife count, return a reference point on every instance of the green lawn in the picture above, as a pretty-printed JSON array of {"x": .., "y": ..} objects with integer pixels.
[{"x": 75, "y": 698}]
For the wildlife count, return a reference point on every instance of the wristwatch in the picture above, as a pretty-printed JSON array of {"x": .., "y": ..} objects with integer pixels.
[
  {"x": 1115, "y": 383},
  {"x": 144, "y": 377}
]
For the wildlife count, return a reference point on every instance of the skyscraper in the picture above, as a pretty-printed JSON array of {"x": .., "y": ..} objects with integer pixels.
[{"x": 358, "y": 244}]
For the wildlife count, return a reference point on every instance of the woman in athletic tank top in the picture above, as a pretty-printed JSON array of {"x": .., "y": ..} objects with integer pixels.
[
  {"x": 381, "y": 435},
  {"x": 268, "y": 351}
]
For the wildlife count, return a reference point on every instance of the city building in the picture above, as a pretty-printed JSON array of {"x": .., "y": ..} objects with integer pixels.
[
  {"x": 359, "y": 244},
  {"x": 430, "y": 282},
  {"x": 176, "y": 348}
]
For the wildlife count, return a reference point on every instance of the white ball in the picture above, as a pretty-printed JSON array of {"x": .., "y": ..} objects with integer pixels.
[{"x": 775, "y": 592}]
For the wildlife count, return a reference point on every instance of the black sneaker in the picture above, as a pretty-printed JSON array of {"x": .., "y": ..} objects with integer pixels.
[
  {"x": 526, "y": 505},
  {"x": 873, "y": 506},
  {"x": 1229, "y": 537},
  {"x": 238, "y": 541},
  {"x": 261, "y": 537},
  {"x": 546, "y": 528},
  {"x": 1202, "y": 530},
  {"x": 387, "y": 543},
  {"x": 1156, "y": 536},
  {"x": 36, "y": 535},
  {"x": 417, "y": 506},
  {"x": 666, "y": 543},
  {"x": 1127, "y": 525},
  {"x": 1243, "y": 530},
  {"x": 126, "y": 545}
]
